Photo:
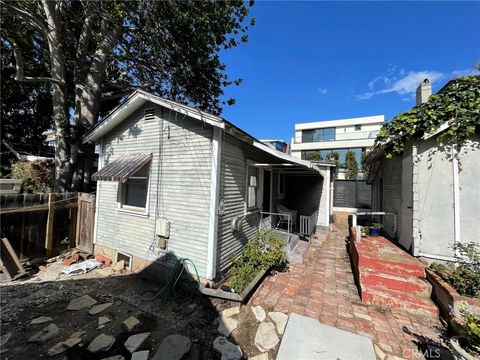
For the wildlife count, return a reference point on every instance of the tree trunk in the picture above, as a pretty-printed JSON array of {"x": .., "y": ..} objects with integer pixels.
[{"x": 63, "y": 168}]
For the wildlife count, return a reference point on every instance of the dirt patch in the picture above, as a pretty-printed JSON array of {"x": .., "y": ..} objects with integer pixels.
[{"x": 191, "y": 315}]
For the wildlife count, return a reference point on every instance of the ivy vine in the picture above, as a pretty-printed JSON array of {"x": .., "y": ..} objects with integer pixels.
[{"x": 457, "y": 103}]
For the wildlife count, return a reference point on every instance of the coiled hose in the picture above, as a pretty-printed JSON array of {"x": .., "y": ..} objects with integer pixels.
[{"x": 169, "y": 293}]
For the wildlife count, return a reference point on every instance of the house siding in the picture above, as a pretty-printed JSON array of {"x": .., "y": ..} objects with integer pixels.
[
  {"x": 180, "y": 176},
  {"x": 233, "y": 194},
  {"x": 390, "y": 171}
]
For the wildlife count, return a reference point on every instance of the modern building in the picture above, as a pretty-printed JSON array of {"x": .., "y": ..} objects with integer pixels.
[{"x": 317, "y": 140}]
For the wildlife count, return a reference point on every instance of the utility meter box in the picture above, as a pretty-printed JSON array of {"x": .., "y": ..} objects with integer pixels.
[{"x": 163, "y": 227}]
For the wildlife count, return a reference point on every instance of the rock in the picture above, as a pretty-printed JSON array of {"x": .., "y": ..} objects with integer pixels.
[
  {"x": 140, "y": 355},
  {"x": 63, "y": 346},
  {"x": 135, "y": 341},
  {"x": 41, "y": 320},
  {"x": 101, "y": 343},
  {"x": 379, "y": 352},
  {"x": 259, "y": 313},
  {"x": 119, "y": 265},
  {"x": 4, "y": 339},
  {"x": 266, "y": 338},
  {"x": 77, "y": 334},
  {"x": 226, "y": 325},
  {"x": 82, "y": 302},
  {"x": 279, "y": 319},
  {"x": 173, "y": 347},
  {"x": 99, "y": 308},
  {"x": 131, "y": 323},
  {"x": 102, "y": 320},
  {"x": 228, "y": 350},
  {"x": 231, "y": 311},
  {"x": 45, "y": 334},
  {"x": 262, "y": 356}
]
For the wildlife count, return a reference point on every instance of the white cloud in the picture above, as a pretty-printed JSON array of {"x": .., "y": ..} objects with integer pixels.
[
  {"x": 322, "y": 91},
  {"x": 405, "y": 83}
]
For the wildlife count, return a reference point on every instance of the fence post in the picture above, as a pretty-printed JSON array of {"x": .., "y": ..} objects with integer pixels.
[{"x": 50, "y": 218}]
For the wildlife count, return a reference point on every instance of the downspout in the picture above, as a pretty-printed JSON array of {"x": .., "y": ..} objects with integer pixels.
[
  {"x": 456, "y": 196},
  {"x": 97, "y": 194},
  {"x": 214, "y": 200},
  {"x": 415, "y": 203}
]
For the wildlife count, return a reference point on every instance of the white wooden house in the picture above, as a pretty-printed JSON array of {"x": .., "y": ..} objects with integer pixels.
[
  {"x": 176, "y": 182},
  {"x": 431, "y": 191}
]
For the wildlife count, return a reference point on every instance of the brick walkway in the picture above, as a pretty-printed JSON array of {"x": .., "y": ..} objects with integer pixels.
[{"x": 323, "y": 288}]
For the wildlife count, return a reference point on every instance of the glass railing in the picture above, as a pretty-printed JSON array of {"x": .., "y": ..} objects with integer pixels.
[{"x": 358, "y": 135}]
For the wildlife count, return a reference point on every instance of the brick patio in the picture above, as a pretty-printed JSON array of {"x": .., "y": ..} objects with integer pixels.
[{"x": 323, "y": 288}]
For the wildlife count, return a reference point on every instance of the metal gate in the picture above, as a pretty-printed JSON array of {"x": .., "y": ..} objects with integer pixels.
[{"x": 352, "y": 194}]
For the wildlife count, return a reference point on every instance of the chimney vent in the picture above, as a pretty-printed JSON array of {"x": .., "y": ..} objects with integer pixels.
[{"x": 424, "y": 90}]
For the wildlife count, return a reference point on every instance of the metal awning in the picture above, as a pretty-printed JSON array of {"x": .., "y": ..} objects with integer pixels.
[{"x": 122, "y": 168}]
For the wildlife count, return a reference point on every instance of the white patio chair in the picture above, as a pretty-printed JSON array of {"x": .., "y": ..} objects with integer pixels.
[{"x": 293, "y": 216}]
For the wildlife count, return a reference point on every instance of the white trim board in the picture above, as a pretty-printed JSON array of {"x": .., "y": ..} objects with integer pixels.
[{"x": 214, "y": 199}]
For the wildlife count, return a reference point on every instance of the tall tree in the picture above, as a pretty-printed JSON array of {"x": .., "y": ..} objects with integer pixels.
[
  {"x": 351, "y": 166},
  {"x": 170, "y": 48}
]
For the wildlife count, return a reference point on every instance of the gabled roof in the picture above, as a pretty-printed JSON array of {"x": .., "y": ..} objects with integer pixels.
[
  {"x": 134, "y": 102},
  {"x": 140, "y": 97}
]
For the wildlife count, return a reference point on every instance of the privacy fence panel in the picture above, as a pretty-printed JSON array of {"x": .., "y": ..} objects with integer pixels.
[
  {"x": 352, "y": 194},
  {"x": 24, "y": 218}
]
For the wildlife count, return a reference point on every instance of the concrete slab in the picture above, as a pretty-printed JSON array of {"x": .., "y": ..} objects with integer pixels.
[{"x": 307, "y": 338}]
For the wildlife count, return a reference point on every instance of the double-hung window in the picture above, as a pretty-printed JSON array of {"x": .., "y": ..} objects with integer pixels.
[
  {"x": 135, "y": 190},
  {"x": 252, "y": 187}
]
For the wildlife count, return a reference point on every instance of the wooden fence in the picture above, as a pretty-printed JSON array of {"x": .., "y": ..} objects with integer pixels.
[{"x": 39, "y": 225}]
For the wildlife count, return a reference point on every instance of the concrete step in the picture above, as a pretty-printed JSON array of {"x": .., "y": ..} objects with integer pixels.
[
  {"x": 299, "y": 252},
  {"x": 409, "y": 284},
  {"x": 411, "y": 303}
]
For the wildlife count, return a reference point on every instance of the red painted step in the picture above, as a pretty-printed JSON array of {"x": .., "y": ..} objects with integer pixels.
[
  {"x": 391, "y": 277},
  {"x": 395, "y": 283},
  {"x": 412, "y": 304}
]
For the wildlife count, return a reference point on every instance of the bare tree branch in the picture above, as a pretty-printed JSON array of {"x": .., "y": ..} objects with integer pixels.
[
  {"x": 33, "y": 19},
  {"x": 19, "y": 76}
]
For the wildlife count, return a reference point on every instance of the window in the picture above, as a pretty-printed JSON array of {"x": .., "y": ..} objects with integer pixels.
[
  {"x": 358, "y": 127},
  {"x": 318, "y": 135},
  {"x": 252, "y": 187},
  {"x": 135, "y": 190}
]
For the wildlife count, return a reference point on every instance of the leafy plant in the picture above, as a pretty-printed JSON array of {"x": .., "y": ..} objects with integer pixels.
[
  {"x": 377, "y": 226},
  {"x": 464, "y": 273},
  {"x": 351, "y": 166},
  {"x": 262, "y": 252},
  {"x": 38, "y": 176},
  {"x": 470, "y": 330},
  {"x": 457, "y": 103}
]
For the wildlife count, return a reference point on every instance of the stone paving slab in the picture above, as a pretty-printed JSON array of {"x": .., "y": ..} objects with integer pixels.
[{"x": 307, "y": 338}]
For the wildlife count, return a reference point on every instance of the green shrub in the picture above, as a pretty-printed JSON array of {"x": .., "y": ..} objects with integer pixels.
[
  {"x": 38, "y": 176},
  {"x": 464, "y": 273},
  {"x": 470, "y": 330},
  {"x": 262, "y": 252}
]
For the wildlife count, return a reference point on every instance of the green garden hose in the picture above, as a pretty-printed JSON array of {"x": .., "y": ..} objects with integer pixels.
[{"x": 169, "y": 291}]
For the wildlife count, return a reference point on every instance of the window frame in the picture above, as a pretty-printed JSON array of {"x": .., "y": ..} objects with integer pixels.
[
  {"x": 250, "y": 164},
  {"x": 130, "y": 209}
]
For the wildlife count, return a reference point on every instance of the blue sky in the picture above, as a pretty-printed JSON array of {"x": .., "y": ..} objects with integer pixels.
[{"x": 313, "y": 61}]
